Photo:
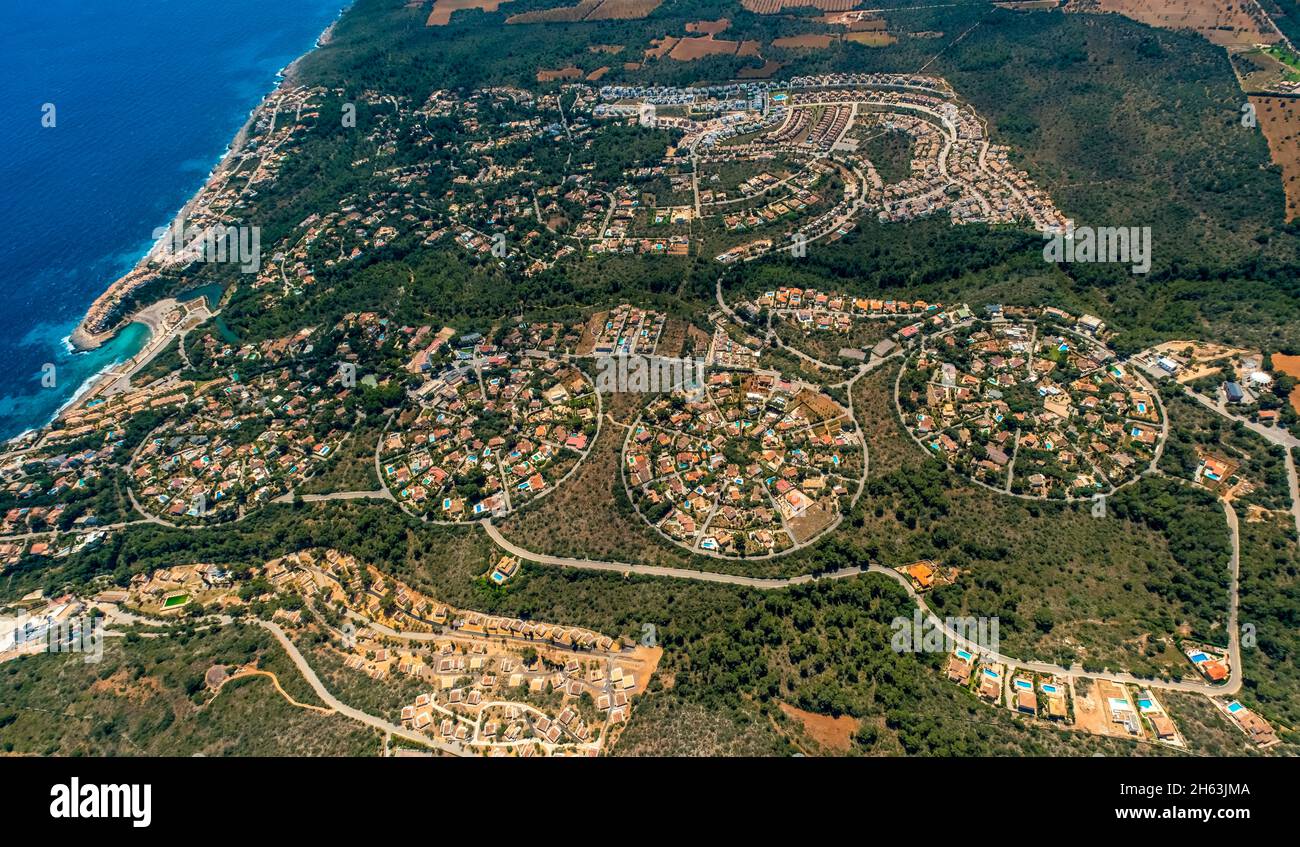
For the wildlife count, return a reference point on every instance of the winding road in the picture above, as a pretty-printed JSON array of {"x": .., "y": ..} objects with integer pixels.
[
  {"x": 343, "y": 708},
  {"x": 769, "y": 584}
]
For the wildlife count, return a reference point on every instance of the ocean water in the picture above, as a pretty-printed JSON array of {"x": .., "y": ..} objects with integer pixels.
[{"x": 147, "y": 95}]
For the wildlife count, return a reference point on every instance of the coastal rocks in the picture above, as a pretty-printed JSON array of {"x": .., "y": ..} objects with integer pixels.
[{"x": 104, "y": 314}]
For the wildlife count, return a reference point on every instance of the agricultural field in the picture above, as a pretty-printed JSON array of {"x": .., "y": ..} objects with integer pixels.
[
  {"x": 442, "y": 10},
  {"x": 1227, "y": 23},
  {"x": 776, "y": 7},
  {"x": 589, "y": 10},
  {"x": 1279, "y": 120}
]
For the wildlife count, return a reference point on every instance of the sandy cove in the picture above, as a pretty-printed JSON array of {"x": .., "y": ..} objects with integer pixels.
[
  {"x": 154, "y": 318},
  {"x": 91, "y": 332}
]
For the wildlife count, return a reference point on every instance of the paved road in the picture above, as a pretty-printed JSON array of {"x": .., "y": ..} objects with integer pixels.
[
  {"x": 344, "y": 709},
  {"x": 1294, "y": 485},
  {"x": 656, "y": 570},
  {"x": 767, "y": 584},
  {"x": 1281, "y": 437},
  {"x": 381, "y": 494}
]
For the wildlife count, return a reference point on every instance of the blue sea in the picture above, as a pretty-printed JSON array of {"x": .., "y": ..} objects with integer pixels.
[{"x": 146, "y": 96}]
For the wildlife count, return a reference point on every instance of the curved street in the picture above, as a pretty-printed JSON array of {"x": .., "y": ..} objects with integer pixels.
[{"x": 1232, "y": 686}]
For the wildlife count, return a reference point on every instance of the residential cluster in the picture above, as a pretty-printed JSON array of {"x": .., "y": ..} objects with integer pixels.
[
  {"x": 623, "y": 331},
  {"x": 1097, "y": 706},
  {"x": 496, "y": 685},
  {"x": 754, "y": 464},
  {"x": 486, "y": 435},
  {"x": 243, "y": 440},
  {"x": 1030, "y": 407}
]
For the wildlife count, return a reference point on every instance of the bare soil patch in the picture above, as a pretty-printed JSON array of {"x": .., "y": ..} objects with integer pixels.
[
  {"x": 717, "y": 27},
  {"x": 809, "y": 41},
  {"x": 1289, "y": 365},
  {"x": 1279, "y": 119},
  {"x": 871, "y": 39},
  {"x": 562, "y": 73},
  {"x": 691, "y": 48},
  {"x": 440, "y": 14},
  {"x": 812, "y": 523},
  {"x": 660, "y": 47},
  {"x": 1228, "y": 23},
  {"x": 831, "y": 733}
]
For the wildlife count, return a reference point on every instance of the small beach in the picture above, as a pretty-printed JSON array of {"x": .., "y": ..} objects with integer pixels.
[{"x": 132, "y": 152}]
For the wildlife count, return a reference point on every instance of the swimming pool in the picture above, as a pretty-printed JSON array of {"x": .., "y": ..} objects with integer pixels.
[
  {"x": 1049, "y": 689},
  {"x": 963, "y": 655},
  {"x": 1024, "y": 685},
  {"x": 1197, "y": 658}
]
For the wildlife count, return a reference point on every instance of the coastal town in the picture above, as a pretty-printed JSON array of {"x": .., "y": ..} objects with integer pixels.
[
  {"x": 1028, "y": 401},
  {"x": 746, "y": 167},
  {"x": 571, "y": 412}
]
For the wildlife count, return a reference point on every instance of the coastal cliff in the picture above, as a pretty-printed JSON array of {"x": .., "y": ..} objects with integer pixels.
[{"x": 106, "y": 316}]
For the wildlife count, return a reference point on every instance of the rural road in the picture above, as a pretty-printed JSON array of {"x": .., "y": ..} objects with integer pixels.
[
  {"x": 657, "y": 570},
  {"x": 768, "y": 584},
  {"x": 344, "y": 709}
]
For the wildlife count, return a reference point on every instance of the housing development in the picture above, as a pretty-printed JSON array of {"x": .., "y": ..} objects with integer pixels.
[{"x": 757, "y": 378}]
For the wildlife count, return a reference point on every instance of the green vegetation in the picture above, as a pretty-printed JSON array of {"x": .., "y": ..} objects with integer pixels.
[
  {"x": 891, "y": 153},
  {"x": 1270, "y": 607},
  {"x": 1122, "y": 124},
  {"x": 147, "y": 697}
]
